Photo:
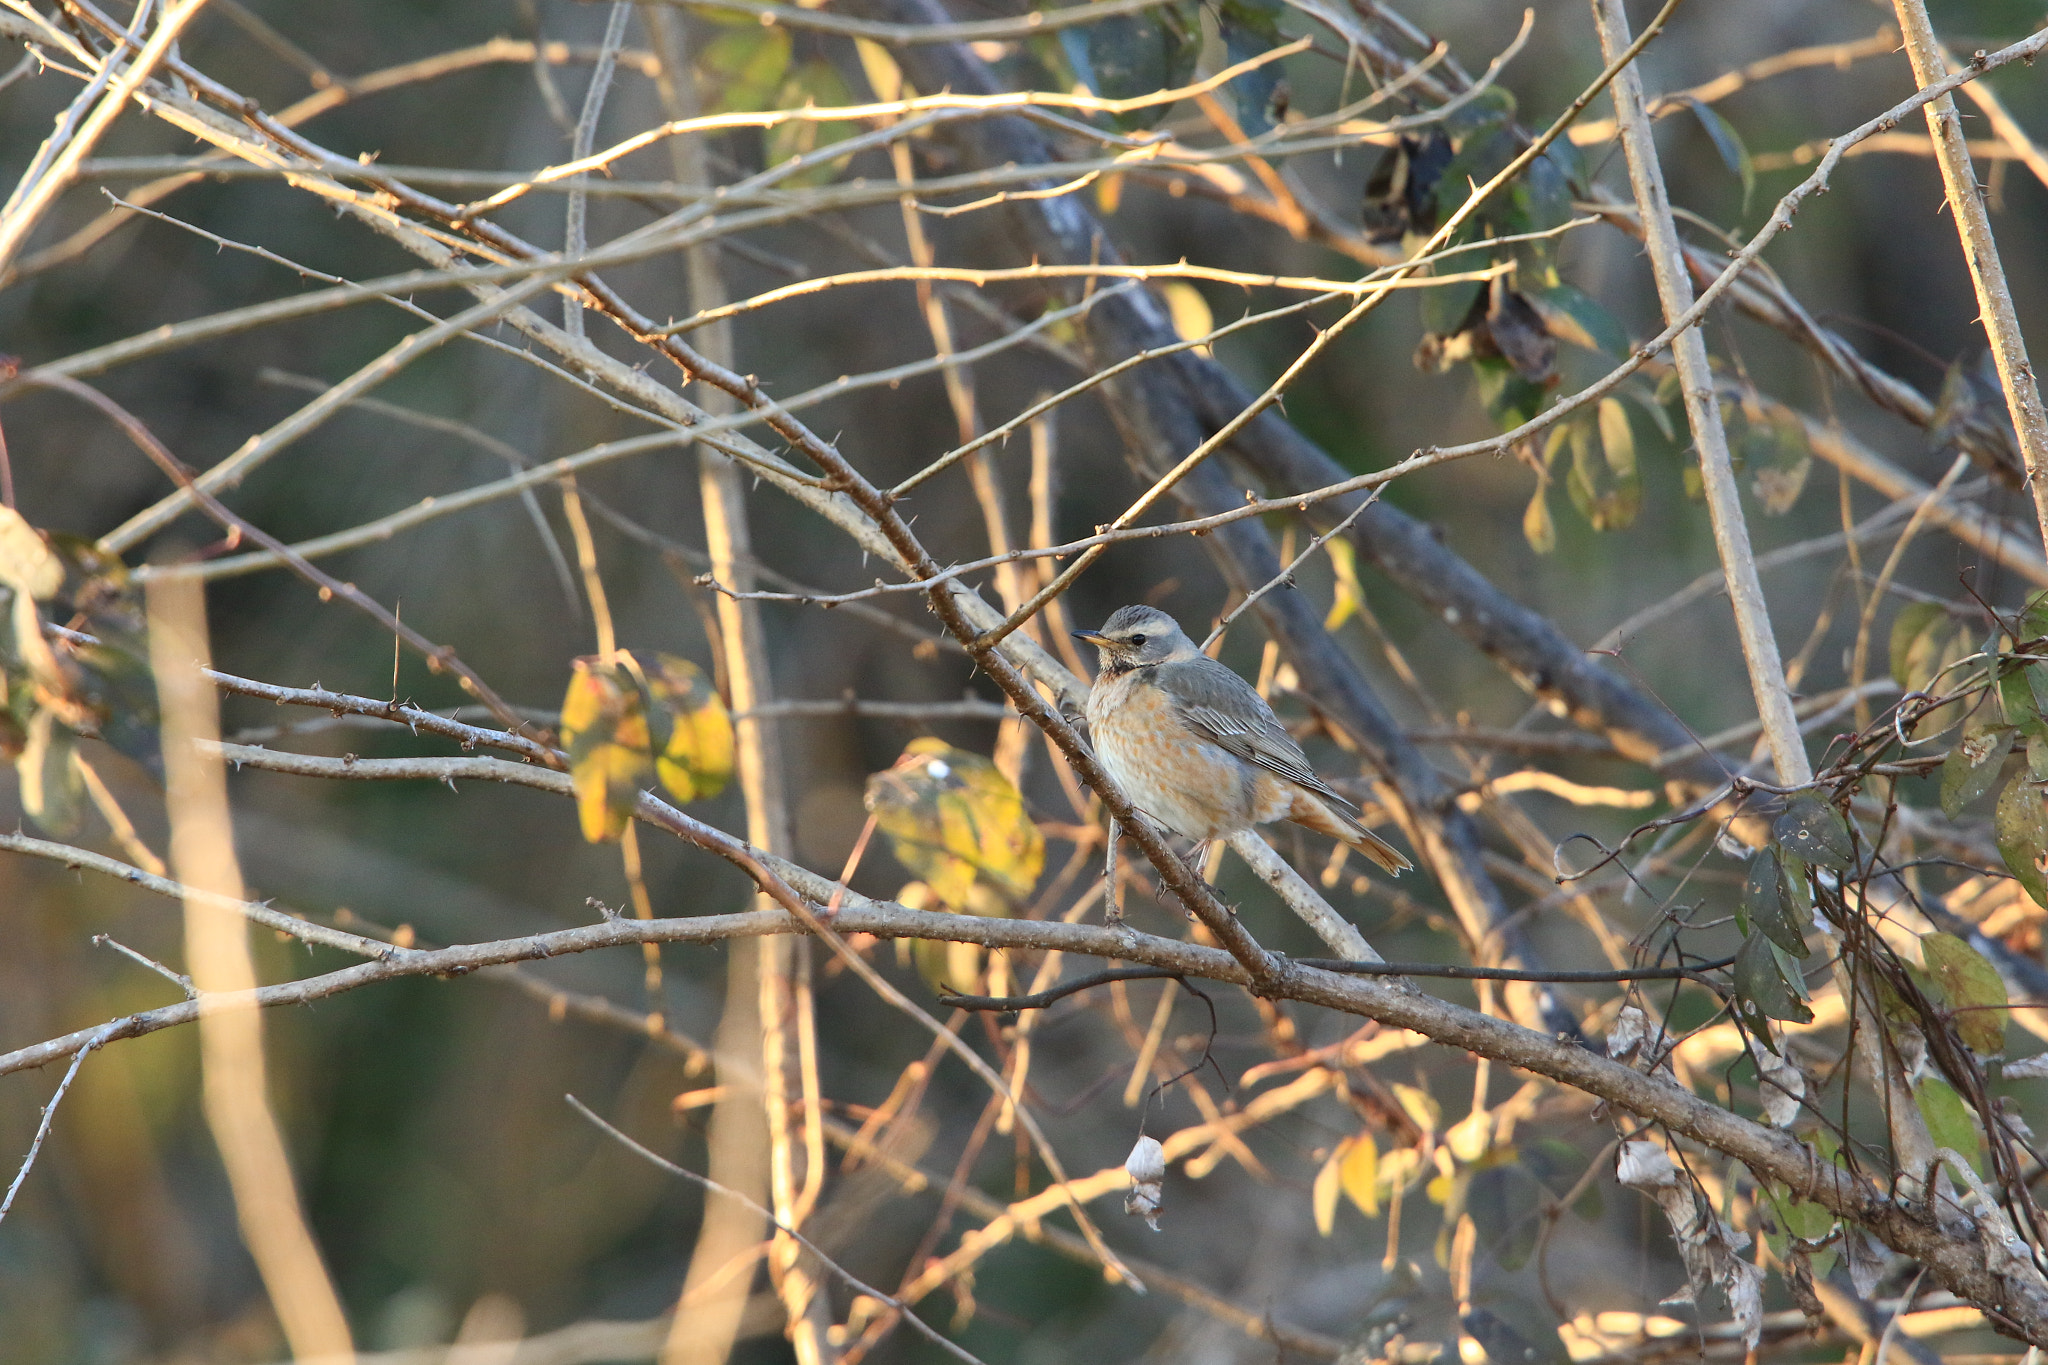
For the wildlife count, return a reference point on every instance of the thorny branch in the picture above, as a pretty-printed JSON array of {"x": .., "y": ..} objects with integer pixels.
[{"x": 1018, "y": 156}]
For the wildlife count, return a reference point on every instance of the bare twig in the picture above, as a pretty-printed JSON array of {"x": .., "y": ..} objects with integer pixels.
[
  {"x": 1710, "y": 438},
  {"x": 1980, "y": 251},
  {"x": 43, "y": 1124},
  {"x": 923, "y": 1328}
]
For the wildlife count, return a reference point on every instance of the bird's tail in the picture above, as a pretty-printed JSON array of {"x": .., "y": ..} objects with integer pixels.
[{"x": 1314, "y": 813}]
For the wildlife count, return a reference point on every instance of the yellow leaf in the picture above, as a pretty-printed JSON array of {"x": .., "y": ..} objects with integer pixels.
[
  {"x": 1469, "y": 1137},
  {"x": 1190, "y": 311},
  {"x": 1329, "y": 1184},
  {"x": 1537, "y": 526},
  {"x": 1359, "y": 1172},
  {"x": 885, "y": 78},
  {"x": 1109, "y": 194},
  {"x": 1420, "y": 1106},
  {"x": 949, "y": 966},
  {"x": 691, "y": 731},
  {"x": 1349, "y": 595},
  {"x": 604, "y": 728},
  {"x": 27, "y": 563},
  {"x": 954, "y": 820}
]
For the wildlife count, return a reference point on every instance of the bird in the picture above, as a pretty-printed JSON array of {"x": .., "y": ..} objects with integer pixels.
[{"x": 1197, "y": 749}]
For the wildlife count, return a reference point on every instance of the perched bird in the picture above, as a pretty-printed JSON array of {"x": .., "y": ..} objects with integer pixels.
[{"x": 1197, "y": 749}]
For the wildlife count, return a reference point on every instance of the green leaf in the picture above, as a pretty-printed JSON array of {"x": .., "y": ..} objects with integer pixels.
[
  {"x": 1792, "y": 880},
  {"x": 2016, "y": 696},
  {"x": 747, "y": 64},
  {"x": 1509, "y": 399},
  {"x": 1541, "y": 198},
  {"x": 1972, "y": 767},
  {"x": 113, "y": 679},
  {"x": 690, "y": 731},
  {"x": 1448, "y": 309},
  {"x": 2034, "y": 616},
  {"x": 1128, "y": 55},
  {"x": 1574, "y": 317},
  {"x": 1916, "y": 622},
  {"x": 2036, "y": 675},
  {"x": 1808, "y": 1222},
  {"x": 1604, "y": 485},
  {"x": 956, "y": 821},
  {"x": 1970, "y": 986},
  {"x": 1504, "y": 1203},
  {"x": 1812, "y": 831},
  {"x": 1925, "y": 649},
  {"x": 1558, "y": 1165},
  {"x": 1778, "y": 460},
  {"x": 1484, "y": 142},
  {"x": 1766, "y": 907},
  {"x": 1247, "y": 30},
  {"x": 2021, "y": 824},
  {"x": 1763, "y": 989},
  {"x": 1734, "y": 154},
  {"x": 1948, "y": 1119},
  {"x": 1646, "y": 402},
  {"x": 819, "y": 83}
]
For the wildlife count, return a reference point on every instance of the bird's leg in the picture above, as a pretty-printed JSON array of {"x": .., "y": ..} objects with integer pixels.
[
  {"x": 1196, "y": 858},
  {"x": 1112, "y": 900}
]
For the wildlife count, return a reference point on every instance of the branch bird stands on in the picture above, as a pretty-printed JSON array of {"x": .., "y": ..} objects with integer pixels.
[{"x": 1195, "y": 747}]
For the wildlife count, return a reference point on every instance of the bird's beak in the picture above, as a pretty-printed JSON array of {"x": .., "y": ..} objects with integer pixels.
[{"x": 1093, "y": 637}]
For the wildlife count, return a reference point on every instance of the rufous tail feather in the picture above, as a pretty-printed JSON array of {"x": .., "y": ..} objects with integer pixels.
[{"x": 1313, "y": 813}]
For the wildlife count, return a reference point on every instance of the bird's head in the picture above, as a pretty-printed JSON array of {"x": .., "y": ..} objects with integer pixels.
[{"x": 1137, "y": 637}]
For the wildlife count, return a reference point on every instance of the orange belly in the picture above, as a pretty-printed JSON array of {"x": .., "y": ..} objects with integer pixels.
[{"x": 1187, "y": 784}]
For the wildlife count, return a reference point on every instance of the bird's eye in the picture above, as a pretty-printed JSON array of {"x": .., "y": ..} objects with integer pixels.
[{"x": 1137, "y": 639}]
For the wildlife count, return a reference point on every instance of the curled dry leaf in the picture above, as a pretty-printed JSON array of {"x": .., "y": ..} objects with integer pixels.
[
  {"x": 1644, "y": 1165},
  {"x": 1625, "y": 1038},
  {"x": 1780, "y": 1085},
  {"x": 1708, "y": 1245},
  {"x": 1146, "y": 1166}
]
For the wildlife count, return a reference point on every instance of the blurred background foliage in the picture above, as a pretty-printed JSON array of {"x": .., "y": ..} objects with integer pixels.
[{"x": 444, "y": 1176}]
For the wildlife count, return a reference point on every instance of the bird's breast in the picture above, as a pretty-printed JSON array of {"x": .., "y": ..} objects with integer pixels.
[{"x": 1178, "y": 778}]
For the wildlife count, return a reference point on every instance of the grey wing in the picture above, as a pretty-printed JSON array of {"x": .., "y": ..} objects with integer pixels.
[{"x": 1226, "y": 710}]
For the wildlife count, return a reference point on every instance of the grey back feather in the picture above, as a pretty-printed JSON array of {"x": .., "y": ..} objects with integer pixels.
[{"x": 1227, "y": 711}]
